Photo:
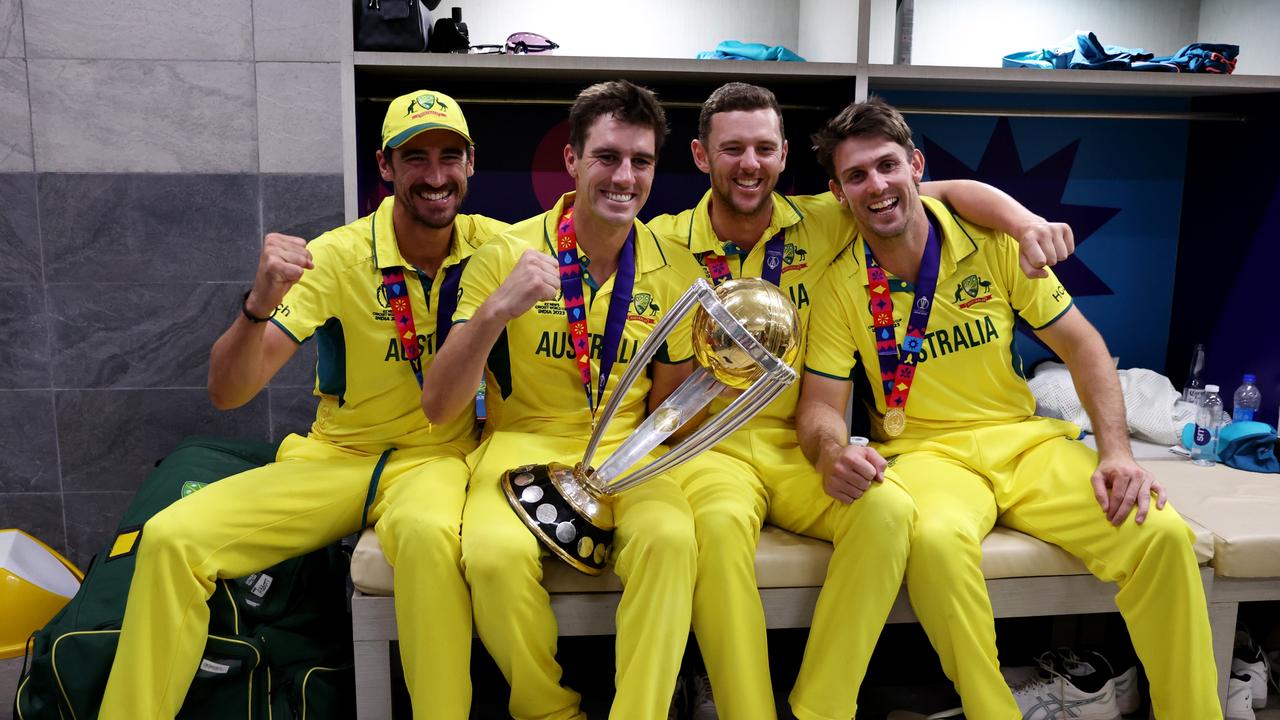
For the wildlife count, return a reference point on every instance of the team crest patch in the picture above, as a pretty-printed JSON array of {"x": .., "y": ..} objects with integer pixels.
[
  {"x": 793, "y": 258},
  {"x": 972, "y": 286},
  {"x": 643, "y": 308},
  {"x": 425, "y": 101}
]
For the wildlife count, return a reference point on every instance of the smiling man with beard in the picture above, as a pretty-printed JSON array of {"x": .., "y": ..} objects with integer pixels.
[
  {"x": 377, "y": 295},
  {"x": 958, "y": 449},
  {"x": 577, "y": 272},
  {"x": 742, "y": 228}
]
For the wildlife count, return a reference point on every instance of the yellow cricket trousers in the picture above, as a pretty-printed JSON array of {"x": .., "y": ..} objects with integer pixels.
[
  {"x": 726, "y": 492},
  {"x": 314, "y": 494},
  {"x": 1031, "y": 476},
  {"x": 654, "y": 554},
  {"x": 871, "y": 538}
]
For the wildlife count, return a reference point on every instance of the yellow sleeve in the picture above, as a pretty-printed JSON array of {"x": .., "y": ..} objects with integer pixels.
[
  {"x": 1039, "y": 301},
  {"x": 490, "y": 263},
  {"x": 683, "y": 271},
  {"x": 315, "y": 298},
  {"x": 831, "y": 348}
]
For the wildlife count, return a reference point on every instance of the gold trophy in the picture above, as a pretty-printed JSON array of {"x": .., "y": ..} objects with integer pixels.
[{"x": 746, "y": 334}]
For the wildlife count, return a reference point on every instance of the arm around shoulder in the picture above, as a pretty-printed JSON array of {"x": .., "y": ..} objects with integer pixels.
[{"x": 1041, "y": 243}]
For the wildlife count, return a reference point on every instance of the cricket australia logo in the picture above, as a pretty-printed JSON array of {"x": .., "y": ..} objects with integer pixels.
[
  {"x": 971, "y": 286},
  {"x": 793, "y": 258},
  {"x": 422, "y": 103},
  {"x": 643, "y": 308}
]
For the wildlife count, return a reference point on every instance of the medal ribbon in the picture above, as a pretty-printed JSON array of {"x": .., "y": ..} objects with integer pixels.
[
  {"x": 898, "y": 365},
  {"x": 576, "y": 310},
  {"x": 402, "y": 311},
  {"x": 718, "y": 266}
]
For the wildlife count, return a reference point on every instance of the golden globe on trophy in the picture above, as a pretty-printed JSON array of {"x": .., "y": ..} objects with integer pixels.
[{"x": 746, "y": 334}]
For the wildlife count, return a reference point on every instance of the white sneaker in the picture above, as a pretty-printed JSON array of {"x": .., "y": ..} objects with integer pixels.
[
  {"x": 1239, "y": 698},
  {"x": 1050, "y": 695},
  {"x": 1090, "y": 668},
  {"x": 1128, "y": 698},
  {"x": 702, "y": 704},
  {"x": 1248, "y": 659}
]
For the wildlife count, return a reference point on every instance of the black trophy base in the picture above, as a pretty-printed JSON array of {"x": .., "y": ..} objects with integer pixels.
[{"x": 574, "y": 524}]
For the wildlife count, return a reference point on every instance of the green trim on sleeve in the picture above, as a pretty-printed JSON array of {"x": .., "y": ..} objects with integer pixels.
[
  {"x": 285, "y": 330},
  {"x": 828, "y": 375},
  {"x": 1055, "y": 317}
]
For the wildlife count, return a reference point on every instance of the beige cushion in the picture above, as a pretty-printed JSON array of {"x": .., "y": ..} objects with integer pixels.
[
  {"x": 1241, "y": 509},
  {"x": 783, "y": 560}
]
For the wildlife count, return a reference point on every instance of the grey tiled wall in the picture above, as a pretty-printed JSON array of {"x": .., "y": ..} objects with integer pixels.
[{"x": 143, "y": 154}]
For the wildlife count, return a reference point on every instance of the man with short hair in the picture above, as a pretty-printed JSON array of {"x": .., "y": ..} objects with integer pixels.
[
  {"x": 742, "y": 228},
  {"x": 372, "y": 294},
  {"x": 965, "y": 449},
  {"x": 549, "y": 374}
]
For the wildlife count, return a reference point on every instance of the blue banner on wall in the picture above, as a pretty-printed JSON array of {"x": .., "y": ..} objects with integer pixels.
[{"x": 1118, "y": 183}]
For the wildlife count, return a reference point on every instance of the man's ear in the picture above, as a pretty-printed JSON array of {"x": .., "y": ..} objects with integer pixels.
[
  {"x": 384, "y": 164},
  {"x": 570, "y": 161},
  {"x": 700, "y": 156}
]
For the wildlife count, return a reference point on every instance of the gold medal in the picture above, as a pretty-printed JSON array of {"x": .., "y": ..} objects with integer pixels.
[{"x": 895, "y": 421}]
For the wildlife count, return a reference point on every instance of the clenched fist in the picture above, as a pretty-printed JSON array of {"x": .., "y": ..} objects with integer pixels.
[
  {"x": 284, "y": 258},
  {"x": 1044, "y": 244},
  {"x": 535, "y": 277}
]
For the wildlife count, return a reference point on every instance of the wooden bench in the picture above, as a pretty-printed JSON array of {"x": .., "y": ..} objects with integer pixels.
[{"x": 1025, "y": 577}]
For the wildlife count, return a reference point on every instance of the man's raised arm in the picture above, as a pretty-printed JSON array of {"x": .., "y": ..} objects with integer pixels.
[
  {"x": 253, "y": 350},
  {"x": 454, "y": 376}
]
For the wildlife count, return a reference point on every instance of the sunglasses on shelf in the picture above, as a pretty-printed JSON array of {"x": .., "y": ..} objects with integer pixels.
[{"x": 521, "y": 43}]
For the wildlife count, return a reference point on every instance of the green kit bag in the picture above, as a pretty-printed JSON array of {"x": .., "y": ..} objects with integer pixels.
[{"x": 264, "y": 629}]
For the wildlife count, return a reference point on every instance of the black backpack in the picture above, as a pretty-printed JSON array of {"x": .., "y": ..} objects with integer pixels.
[{"x": 279, "y": 640}]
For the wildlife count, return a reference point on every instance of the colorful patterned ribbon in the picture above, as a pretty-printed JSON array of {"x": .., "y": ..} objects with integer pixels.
[
  {"x": 402, "y": 311},
  {"x": 718, "y": 266},
  {"x": 898, "y": 366},
  {"x": 576, "y": 310}
]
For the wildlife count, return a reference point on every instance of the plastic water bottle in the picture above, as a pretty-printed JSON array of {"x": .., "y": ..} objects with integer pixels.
[
  {"x": 1247, "y": 399},
  {"x": 1194, "y": 388},
  {"x": 1204, "y": 443}
]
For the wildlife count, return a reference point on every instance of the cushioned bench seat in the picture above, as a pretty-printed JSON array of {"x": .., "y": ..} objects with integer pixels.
[
  {"x": 1025, "y": 577},
  {"x": 783, "y": 560}
]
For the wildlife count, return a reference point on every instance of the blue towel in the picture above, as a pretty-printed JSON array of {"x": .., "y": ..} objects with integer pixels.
[
  {"x": 735, "y": 50},
  {"x": 1085, "y": 52},
  {"x": 1243, "y": 445}
]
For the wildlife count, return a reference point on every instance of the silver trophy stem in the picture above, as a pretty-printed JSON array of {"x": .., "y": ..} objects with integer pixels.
[
  {"x": 700, "y": 289},
  {"x": 760, "y": 394},
  {"x": 694, "y": 393},
  {"x": 776, "y": 378}
]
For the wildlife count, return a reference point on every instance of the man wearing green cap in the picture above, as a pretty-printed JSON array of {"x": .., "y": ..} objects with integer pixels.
[{"x": 377, "y": 295}]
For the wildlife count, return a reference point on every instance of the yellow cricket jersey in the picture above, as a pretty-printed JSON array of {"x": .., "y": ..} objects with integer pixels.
[
  {"x": 533, "y": 380},
  {"x": 968, "y": 375},
  {"x": 816, "y": 228},
  {"x": 369, "y": 396}
]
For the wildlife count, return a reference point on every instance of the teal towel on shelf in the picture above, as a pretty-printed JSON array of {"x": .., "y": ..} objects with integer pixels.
[{"x": 735, "y": 50}]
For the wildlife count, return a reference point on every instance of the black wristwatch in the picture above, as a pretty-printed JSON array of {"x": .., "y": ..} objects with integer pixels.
[{"x": 244, "y": 308}]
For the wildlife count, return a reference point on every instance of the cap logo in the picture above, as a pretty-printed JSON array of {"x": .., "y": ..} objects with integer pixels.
[{"x": 423, "y": 102}]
